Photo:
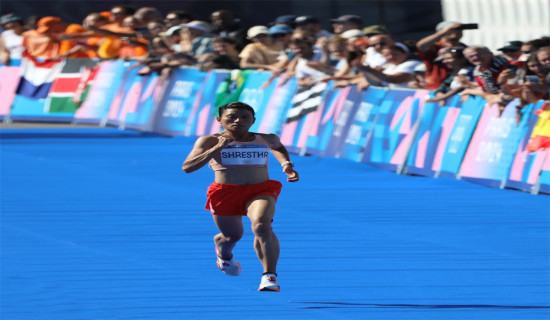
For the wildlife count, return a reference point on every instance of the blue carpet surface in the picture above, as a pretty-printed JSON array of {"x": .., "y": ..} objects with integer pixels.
[{"x": 102, "y": 224}]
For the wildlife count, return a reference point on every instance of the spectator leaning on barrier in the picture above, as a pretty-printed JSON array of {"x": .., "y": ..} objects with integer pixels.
[
  {"x": 307, "y": 64},
  {"x": 43, "y": 42},
  {"x": 488, "y": 68},
  {"x": 461, "y": 76},
  {"x": 448, "y": 34},
  {"x": 398, "y": 72},
  {"x": 196, "y": 39},
  {"x": 263, "y": 53},
  {"x": 225, "y": 55},
  {"x": 11, "y": 39}
]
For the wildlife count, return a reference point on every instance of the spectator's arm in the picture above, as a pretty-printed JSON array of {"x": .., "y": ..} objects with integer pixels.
[
  {"x": 426, "y": 43},
  {"x": 4, "y": 52}
]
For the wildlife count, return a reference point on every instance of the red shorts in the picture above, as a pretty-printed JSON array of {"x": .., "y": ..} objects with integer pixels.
[{"x": 231, "y": 199}]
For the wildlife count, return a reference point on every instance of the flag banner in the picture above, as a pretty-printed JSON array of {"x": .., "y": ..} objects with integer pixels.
[
  {"x": 362, "y": 124},
  {"x": 495, "y": 141},
  {"x": 177, "y": 103},
  {"x": 459, "y": 137},
  {"x": 137, "y": 116},
  {"x": 61, "y": 97},
  {"x": 107, "y": 81},
  {"x": 306, "y": 100},
  {"x": 394, "y": 128},
  {"x": 231, "y": 88},
  {"x": 7, "y": 88},
  {"x": 203, "y": 116},
  {"x": 294, "y": 133},
  {"x": 278, "y": 105},
  {"x": 527, "y": 166},
  {"x": 540, "y": 138},
  {"x": 434, "y": 130},
  {"x": 37, "y": 76},
  {"x": 256, "y": 96}
]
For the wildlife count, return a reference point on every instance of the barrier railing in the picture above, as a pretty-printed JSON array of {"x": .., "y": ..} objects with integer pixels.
[{"x": 391, "y": 129}]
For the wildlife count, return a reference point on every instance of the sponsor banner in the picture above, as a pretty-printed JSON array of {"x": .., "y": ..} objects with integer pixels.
[
  {"x": 278, "y": 105},
  {"x": 7, "y": 88},
  {"x": 527, "y": 165},
  {"x": 62, "y": 93},
  {"x": 495, "y": 141},
  {"x": 362, "y": 124},
  {"x": 304, "y": 115},
  {"x": 177, "y": 102},
  {"x": 459, "y": 137},
  {"x": 436, "y": 123},
  {"x": 203, "y": 116},
  {"x": 394, "y": 129},
  {"x": 256, "y": 96},
  {"x": 336, "y": 122},
  {"x": 127, "y": 93},
  {"x": 108, "y": 78},
  {"x": 138, "y": 116}
]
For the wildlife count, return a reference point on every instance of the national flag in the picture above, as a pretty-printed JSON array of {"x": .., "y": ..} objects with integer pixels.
[
  {"x": 306, "y": 100},
  {"x": 540, "y": 138},
  {"x": 37, "y": 76},
  {"x": 65, "y": 87}
]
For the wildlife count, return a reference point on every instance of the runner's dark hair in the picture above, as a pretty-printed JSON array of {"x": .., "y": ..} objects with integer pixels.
[{"x": 235, "y": 105}]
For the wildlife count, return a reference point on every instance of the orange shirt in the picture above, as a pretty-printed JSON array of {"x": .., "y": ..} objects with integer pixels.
[{"x": 40, "y": 45}]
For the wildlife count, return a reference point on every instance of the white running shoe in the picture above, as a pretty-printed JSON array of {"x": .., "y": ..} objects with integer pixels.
[
  {"x": 229, "y": 267},
  {"x": 269, "y": 283}
]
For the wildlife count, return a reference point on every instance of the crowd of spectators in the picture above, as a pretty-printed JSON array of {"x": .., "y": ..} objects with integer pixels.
[{"x": 351, "y": 53}]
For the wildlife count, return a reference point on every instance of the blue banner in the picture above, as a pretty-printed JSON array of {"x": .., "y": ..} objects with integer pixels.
[
  {"x": 461, "y": 133},
  {"x": 362, "y": 124},
  {"x": 177, "y": 103},
  {"x": 257, "y": 97}
]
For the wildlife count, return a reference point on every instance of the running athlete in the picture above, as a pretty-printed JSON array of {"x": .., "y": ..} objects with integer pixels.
[{"x": 242, "y": 187}]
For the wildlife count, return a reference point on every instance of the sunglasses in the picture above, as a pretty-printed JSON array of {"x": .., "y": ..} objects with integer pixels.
[
  {"x": 278, "y": 35},
  {"x": 378, "y": 44}
]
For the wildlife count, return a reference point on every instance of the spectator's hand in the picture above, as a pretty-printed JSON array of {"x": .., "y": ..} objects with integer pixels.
[
  {"x": 452, "y": 26},
  {"x": 476, "y": 91}
]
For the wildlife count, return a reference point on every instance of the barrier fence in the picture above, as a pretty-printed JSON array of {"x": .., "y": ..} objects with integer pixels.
[{"x": 390, "y": 129}]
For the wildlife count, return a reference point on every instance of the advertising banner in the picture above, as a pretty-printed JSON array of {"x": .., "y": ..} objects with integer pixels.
[
  {"x": 459, "y": 137},
  {"x": 7, "y": 88},
  {"x": 362, "y": 124},
  {"x": 527, "y": 164},
  {"x": 304, "y": 115},
  {"x": 278, "y": 105},
  {"x": 177, "y": 103},
  {"x": 434, "y": 130},
  {"x": 394, "y": 129},
  {"x": 202, "y": 119},
  {"x": 130, "y": 82},
  {"x": 138, "y": 116},
  {"x": 495, "y": 141},
  {"x": 256, "y": 96}
]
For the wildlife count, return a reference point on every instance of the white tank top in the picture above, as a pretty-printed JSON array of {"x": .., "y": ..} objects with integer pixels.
[{"x": 13, "y": 43}]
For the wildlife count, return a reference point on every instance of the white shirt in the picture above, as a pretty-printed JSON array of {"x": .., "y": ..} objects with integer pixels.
[
  {"x": 405, "y": 67},
  {"x": 374, "y": 58},
  {"x": 13, "y": 43}
]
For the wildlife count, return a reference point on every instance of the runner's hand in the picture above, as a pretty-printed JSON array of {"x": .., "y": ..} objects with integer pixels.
[{"x": 292, "y": 174}]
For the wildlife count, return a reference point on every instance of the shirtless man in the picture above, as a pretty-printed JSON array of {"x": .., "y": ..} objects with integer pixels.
[{"x": 242, "y": 187}]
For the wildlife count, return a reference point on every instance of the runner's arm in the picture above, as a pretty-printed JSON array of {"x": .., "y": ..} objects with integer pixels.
[
  {"x": 282, "y": 155},
  {"x": 204, "y": 149}
]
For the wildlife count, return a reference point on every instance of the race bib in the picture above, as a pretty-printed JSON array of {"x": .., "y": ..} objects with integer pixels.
[{"x": 243, "y": 155}]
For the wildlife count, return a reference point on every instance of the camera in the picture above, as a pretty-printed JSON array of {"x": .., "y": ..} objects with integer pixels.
[{"x": 468, "y": 26}]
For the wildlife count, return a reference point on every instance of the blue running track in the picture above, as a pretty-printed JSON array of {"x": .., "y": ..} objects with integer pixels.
[{"x": 99, "y": 223}]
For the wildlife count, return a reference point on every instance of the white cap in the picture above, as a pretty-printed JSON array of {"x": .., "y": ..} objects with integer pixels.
[
  {"x": 443, "y": 24},
  {"x": 256, "y": 30},
  {"x": 352, "y": 33}
]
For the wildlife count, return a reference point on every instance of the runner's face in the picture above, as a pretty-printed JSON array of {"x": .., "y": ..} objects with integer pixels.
[{"x": 236, "y": 119}]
